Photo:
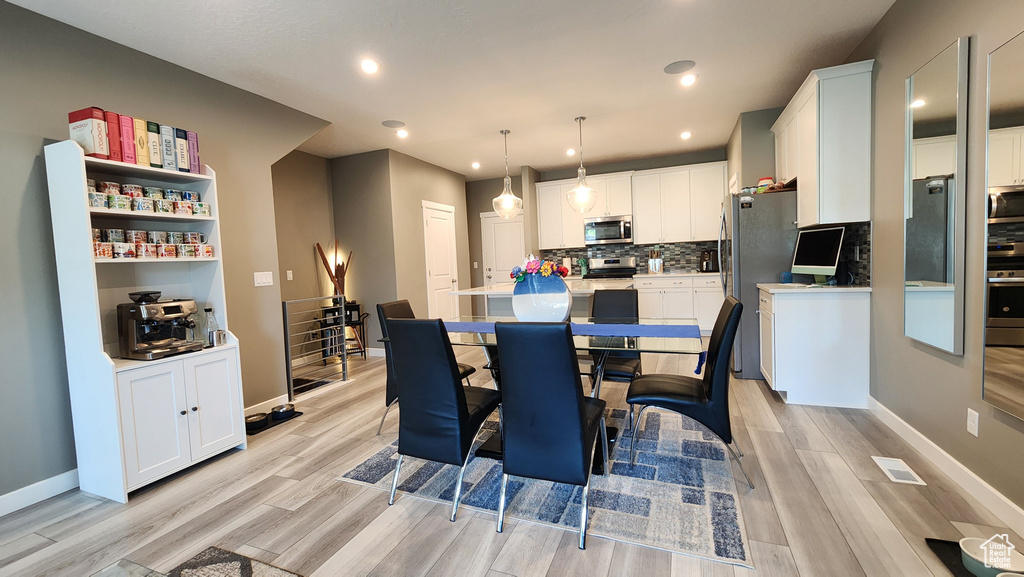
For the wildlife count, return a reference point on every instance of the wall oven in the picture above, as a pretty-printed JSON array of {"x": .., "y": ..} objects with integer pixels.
[
  {"x": 1005, "y": 204},
  {"x": 1004, "y": 323},
  {"x": 608, "y": 230}
]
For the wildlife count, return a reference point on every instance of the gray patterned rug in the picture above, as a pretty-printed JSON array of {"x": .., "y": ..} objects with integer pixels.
[
  {"x": 215, "y": 562},
  {"x": 680, "y": 496}
]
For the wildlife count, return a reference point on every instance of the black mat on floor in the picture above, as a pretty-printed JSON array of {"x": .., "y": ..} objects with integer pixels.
[
  {"x": 274, "y": 423},
  {"x": 303, "y": 385},
  {"x": 215, "y": 562},
  {"x": 949, "y": 553}
]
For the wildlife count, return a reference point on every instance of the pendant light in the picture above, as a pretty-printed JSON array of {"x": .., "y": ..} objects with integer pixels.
[
  {"x": 507, "y": 205},
  {"x": 582, "y": 197}
]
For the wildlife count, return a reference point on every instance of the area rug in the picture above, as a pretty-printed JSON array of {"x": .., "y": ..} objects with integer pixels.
[
  {"x": 680, "y": 496},
  {"x": 215, "y": 562}
]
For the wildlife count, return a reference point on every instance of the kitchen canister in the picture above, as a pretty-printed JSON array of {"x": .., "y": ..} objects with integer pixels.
[
  {"x": 103, "y": 250},
  {"x": 113, "y": 234},
  {"x": 163, "y": 205},
  {"x": 166, "y": 251},
  {"x": 204, "y": 251},
  {"x": 142, "y": 204},
  {"x": 157, "y": 236},
  {"x": 110, "y": 188},
  {"x": 202, "y": 209},
  {"x": 97, "y": 200},
  {"x": 183, "y": 207},
  {"x": 132, "y": 190},
  {"x": 171, "y": 194},
  {"x": 124, "y": 250},
  {"x": 175, "y": 238},
  {"x": 186, "y": 250},
  {"x": 153, "y": 192},
  {"x": 134, "y": 236},
  {"x": 119, "y": 202},
  {"x": 145, "y": 250},
  {"x": 190, "y": 195}
]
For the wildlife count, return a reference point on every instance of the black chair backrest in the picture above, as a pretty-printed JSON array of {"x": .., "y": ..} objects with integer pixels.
[
  {"x": 394, "y": 310},
  {"x": 716, "y": 366},
  {"x": 430, "y": 422},
  {"x": 617, "y": 305},
  {"x": 542, "y": 402}
]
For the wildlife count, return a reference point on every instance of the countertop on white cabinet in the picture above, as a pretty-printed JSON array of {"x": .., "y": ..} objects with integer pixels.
[
  {"x": 578, "y": 287},
  {"x": 923, "y": 286},
  {"x": 781, "y": 288},
  {"x": 648, "y": 276}
]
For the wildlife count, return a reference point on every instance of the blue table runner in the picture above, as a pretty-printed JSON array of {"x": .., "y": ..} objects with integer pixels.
[{"x": 594, "y": 330}]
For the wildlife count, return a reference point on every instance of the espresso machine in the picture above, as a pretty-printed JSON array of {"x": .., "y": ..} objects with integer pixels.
[{"x": 156, "y": 329}]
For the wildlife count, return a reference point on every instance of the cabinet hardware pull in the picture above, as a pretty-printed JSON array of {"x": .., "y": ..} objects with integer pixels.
[
  {"x": 194, "y": 409},
  {"x": 184, "y": 412}
]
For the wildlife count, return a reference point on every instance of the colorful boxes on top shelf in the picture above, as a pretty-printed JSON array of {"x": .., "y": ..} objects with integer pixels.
[{"x": 112, "y": 136}]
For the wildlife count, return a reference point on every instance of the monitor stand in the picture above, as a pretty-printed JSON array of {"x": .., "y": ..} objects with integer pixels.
[{"x": 821, "y": 279}]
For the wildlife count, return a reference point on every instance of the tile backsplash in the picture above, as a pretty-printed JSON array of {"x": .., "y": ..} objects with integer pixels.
[
  {"x": 1002, "y": 233},
  {"x": 857, "y": 234}
]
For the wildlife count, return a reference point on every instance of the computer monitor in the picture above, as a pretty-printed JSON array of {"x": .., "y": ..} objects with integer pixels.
[{"x": 817, "y": 251}]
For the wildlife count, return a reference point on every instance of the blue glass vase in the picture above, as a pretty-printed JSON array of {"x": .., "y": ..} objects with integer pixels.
[{"x": 541, "y": 299}]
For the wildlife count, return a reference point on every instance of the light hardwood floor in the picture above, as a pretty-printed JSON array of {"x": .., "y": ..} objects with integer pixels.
[{"x": 820, "y": 507}]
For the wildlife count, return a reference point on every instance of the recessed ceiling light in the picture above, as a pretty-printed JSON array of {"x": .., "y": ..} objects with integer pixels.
[
  {"x": 688, "y": 79},
  {"x": 393, "y": 124},
  {"x": 686, "y": 135},
  {"x": 917, "y": 103},
  {"x": 369, "y": 65},
  {"x": 570, "y": 152},
  {"x": 476, "y": 166},
  {"x": 402, "y": 133},
  {"x": 680, "y": 66}
]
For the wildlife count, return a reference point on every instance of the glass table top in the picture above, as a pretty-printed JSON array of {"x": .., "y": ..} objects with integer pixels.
[{"x": 678, "y": 336}]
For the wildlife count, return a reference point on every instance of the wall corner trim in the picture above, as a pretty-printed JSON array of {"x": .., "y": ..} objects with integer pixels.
[
  {"x": 1006, "y": 510},
  {"x": 265, "y": 406},
  {"x": 36, "y": 492},
  {"x": 374, "y": 352}
]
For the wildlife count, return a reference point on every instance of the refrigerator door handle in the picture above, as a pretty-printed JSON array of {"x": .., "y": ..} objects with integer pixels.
[{"x": 721, "y": 242}]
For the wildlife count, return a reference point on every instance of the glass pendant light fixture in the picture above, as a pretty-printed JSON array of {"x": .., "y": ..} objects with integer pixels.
[
  {"x": 507, "y": 205},
  {"x": 581, "y": 198}
]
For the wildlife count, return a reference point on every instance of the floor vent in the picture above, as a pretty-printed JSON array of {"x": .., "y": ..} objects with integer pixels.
[{"x": 898, "y": 471}]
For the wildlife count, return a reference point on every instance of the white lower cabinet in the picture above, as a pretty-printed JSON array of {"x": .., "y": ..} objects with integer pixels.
[
  {"x": 177, "y": 412},
  {"x": 680, "y": 297},
  {"x": 767, "y": 326}
]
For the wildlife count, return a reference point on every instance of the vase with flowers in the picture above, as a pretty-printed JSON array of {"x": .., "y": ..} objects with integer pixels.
[{"x": 540, "y": 294}]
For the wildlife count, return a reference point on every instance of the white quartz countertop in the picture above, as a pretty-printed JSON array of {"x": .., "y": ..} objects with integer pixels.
[
  {"x": 674, "y": 274},
  {"x": 779, "y": 288},
  {"x": 578, "y": 287}
]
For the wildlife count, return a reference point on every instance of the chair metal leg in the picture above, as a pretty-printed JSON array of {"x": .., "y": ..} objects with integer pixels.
[
  {"x": 736, "y": 444},
  {"x": 630, "y": 428},
  {"x": 394, "y": 482},
  {"x": 458, "y": 489},
  {"x": 583, "y": 515},
  {"x": 388, "y": 408},
  {"x": 744, "y": 471},
  {"x": 501, "y": 502},
  {"x": 636, "y": 429},
  {"x": 604, "y": 448}
]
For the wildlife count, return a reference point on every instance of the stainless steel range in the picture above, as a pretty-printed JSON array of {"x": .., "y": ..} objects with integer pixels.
[
  {"x": 1004, "y": 325},
  {"x": 623, "y": 267}
]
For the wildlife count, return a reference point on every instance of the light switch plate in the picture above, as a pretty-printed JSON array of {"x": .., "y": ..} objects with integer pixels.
[
  {"x": 263, "y": 278},
  {"x": 289, "y": 274},
  {"x": 972, "y": 422}
]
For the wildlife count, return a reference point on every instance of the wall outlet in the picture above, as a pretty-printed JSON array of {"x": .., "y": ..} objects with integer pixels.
[
  {"x": 263, "y": 278},
  {"x": 476, "y": 265},
  {"x": 972, "y": 422},
  {"x": 288, "y": 274}
]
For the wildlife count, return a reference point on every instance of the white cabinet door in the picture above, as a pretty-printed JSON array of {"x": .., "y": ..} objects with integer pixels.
[
  {"x": 675, "y": 206},
  {"x": 780, "y": 156},
  {"x": 707, "y": 188},
  {"x": 212, "y": 391},
  {"x": 549, "y": 216},
  {"x": 767, "y": 326},
  {"x": 933, "y": 156},
  {"x": 807, "y": 150},
  {"x": 677, "y": 303},
  {"x": 572, "y": 221},
  {"x": 154, "y": 422},
  {"x": 650, "y": 303},
  {"x": 620, "y": 195},
  {"x": 792, "y": 148},
  {"x": 1004, "y": 152},
  {"x": 707, "y": 302},
  {"x": 600, "y": 186},
  {"x": 646, "y": 209}
]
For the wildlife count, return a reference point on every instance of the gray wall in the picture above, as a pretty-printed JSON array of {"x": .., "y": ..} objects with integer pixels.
[
  {"x": 927, "y": 388},
  {"x": 47, "y": 70},
  {"x": 304, "y": 211},
  {"x": 479, "y": 195},
  {"x": 695, "y": 157},
  {"x": 361, "y": 186},
  {"x": 751, "y": 147}
]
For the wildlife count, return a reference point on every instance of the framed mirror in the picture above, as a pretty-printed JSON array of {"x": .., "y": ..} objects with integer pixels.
[
  {"x": 934, "y": 206},
  {"x": 1004, "y": 299}
]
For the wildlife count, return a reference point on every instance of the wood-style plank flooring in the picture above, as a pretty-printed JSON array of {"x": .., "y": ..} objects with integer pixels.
[{"x": 820, "y": 506}]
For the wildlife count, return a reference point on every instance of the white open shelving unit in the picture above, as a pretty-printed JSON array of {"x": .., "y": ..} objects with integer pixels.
[{"x": 138, "y": 421}]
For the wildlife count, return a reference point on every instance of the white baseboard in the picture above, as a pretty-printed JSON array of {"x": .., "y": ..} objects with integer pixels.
[
  {"x": 37, "y": 492},
  {"x": 374, "y": 352},
  {"x": 265, "y": 406},
  {"x": 1006, "y": 510}
]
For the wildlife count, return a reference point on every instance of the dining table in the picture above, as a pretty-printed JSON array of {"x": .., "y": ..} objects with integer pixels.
[{"x": 598, "y": 336}]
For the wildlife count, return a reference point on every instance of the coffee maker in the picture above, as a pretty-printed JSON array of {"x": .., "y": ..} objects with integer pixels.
[
  {"x": 708, "y": 261},
  {"x": 154, "y": 330}
]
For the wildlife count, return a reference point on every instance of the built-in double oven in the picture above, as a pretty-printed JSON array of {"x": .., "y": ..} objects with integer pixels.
[{"x": 1004, "y": 323}]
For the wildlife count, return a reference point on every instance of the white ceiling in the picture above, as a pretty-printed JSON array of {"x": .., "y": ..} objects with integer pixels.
[{"x": 457, "y": 71}]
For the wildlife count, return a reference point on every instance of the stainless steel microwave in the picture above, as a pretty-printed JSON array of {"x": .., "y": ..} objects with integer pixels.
[
  {"x": 608, "y": 230},
  {"x": 1006, "y": 204}
]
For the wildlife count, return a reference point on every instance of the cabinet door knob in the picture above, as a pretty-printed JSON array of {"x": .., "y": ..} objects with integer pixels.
[
  {"x": 194, "y": 409},
  {"x": 183, "y": 412}
]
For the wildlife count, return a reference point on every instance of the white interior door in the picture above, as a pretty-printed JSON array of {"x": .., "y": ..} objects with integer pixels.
[
  {"x": 442, "y": 261},
  {"x": 503, "y": 246}
]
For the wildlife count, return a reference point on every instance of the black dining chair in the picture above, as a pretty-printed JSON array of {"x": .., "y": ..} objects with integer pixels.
[
  {"x": 440, "y": 418},
  {"x": 616, "y": 306},
  {"x": 550, "y": 427},
  {"x": 706, "y": 399},
  {"x": 400, "y": 310}
]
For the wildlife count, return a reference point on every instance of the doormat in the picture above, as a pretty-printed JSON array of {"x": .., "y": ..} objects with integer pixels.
[
  {"x": 215, "y": 562},
  {"x": 680, "y": 496}
]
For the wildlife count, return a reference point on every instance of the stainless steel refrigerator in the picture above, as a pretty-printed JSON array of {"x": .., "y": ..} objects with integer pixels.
[
  {"x": 929, "y": 254},
  {"x": 756, "y": 245}
]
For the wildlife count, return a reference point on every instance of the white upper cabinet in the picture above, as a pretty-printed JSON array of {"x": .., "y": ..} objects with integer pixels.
[
  {"x": 549, "y": 215},
  {"x": 823, "y": 138},
  {"x": 679, "y": 204},
  {"x": 933, "y": 156},
  {"x": 707, "y": 189},
  {"x": 1004, "y": 156},
  {"x": 646, "y": 208},
  {"x": 620, "y": 194},
  {"x": 572, "y": 221},
  {"x": 675, "y": 206},
  {"x": 559, "y": 226}
]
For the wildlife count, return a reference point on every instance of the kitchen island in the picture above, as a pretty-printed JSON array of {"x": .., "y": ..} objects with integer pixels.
[{"x": 499, "y": 296}]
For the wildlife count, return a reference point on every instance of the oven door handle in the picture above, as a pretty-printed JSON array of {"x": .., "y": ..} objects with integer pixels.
[{"x": 992, "y": 205}]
